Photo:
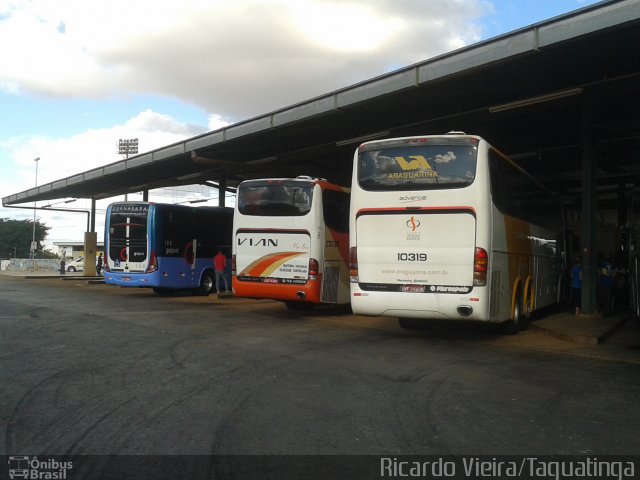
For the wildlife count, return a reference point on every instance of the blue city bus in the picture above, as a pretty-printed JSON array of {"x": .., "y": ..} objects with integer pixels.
[{"x": 165, "y": 247}]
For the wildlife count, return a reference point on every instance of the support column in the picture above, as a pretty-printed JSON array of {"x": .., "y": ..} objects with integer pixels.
[
  {"x": 93, "y": 215},
  {"x": 222, "y": 192},
  {"x": 90, "y": 244},
  {"x": 589, "y": 208},
  {"x": 90, "y": 248},
  {"x": 145, "y": 195}
]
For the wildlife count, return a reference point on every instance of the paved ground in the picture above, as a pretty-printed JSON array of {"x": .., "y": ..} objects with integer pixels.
[{"x": 95, "y": 369}]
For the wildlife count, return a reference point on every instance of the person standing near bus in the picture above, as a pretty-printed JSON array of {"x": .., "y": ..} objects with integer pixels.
[
  {"x": 99, "y": 264},
  {"x": 576, "y": 285},
  {"x": 62, "y": 262},
  {"x": 219, "y": 265}
]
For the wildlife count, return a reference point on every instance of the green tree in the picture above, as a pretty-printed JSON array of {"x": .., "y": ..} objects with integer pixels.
[{"x": 16, "y": 235}]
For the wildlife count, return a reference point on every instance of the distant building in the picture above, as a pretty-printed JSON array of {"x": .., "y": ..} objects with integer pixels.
[{"x": 74, "y": 249}]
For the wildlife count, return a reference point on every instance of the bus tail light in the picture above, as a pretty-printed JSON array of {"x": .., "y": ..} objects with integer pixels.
[
  {"x": 233, "y": 264},
  {"x": 480, "y": 267},
  {"x": 353, "y": 264},
  {"x": 153, "y": 262},
  {"x": 313, "y": 268}
]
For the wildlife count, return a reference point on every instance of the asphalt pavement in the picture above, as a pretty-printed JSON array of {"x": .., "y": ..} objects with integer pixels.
[{"x": 93, "y": 369}]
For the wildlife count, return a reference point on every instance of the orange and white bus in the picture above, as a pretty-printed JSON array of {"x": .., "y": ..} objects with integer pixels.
[
  {"x": 291, "y": 241},
  {"x": 447, "y": 227}
]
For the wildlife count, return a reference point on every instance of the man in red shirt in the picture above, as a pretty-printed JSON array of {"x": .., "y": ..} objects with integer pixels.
[{"x": 219, "y": 264}]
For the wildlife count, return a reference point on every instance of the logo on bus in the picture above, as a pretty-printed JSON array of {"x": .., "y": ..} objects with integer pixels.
[
  {"x": 449, "y": 289},
  {"x": 414, "y": 169},
  {"x": 413, "y": 223},
  {"x": 412, "y": 198},
  {"x": 417, "y": 162},
  {"x": 133, "y": 210},
  {"x": 260, "y": 242}
]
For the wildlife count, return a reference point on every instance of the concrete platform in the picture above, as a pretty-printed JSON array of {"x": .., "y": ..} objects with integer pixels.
[{"x": 589, "y": 329}]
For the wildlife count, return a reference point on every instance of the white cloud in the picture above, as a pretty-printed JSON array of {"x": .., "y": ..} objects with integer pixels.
[
  {"x": 235, "y": 59},
  {"x": 446, "y": 158},
  {"x": 217, "y": 121},
  {"x": 63, "y": 157}
]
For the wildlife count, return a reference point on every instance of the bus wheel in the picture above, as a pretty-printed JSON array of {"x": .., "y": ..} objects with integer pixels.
[
  {"x": 520, "y": 317},
  {"x": 207, "y": 284}
]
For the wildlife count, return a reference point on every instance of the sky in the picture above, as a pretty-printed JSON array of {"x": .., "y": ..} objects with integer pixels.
[{"x": 77, "y": 75}]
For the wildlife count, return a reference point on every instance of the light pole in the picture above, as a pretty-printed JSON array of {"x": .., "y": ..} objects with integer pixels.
[
  {"x": 127, "y": 146},
  {"x": 33, "y": 237}
]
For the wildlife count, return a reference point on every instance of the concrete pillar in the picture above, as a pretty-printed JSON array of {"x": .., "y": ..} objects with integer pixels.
[
  {"x": 90, "y": 243},
  {"x": 589, "y": 208},
  {"x": 93, "y": 215},
  {"x": 222, "y": 192},
  {"x": 90, "y": 247}
]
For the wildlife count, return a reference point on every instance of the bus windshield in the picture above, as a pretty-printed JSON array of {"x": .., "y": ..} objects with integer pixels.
[
  {"x": 414, "y": 165},
  {"x": 275, "y": 199}
]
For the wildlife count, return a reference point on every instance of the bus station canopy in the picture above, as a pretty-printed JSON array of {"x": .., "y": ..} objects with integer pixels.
[{"x": 543, "y": 94}]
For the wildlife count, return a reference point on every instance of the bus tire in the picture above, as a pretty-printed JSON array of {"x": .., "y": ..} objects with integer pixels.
[
  {"x": 207, "y": 284},
  {"x": 520, "y": 319}
]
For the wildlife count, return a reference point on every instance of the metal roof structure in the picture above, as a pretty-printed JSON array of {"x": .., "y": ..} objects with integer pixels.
[{"x": 529, "y": 93}]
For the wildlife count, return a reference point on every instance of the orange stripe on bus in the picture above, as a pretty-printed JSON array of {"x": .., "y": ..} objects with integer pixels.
[{"x": 266, "y": 265}]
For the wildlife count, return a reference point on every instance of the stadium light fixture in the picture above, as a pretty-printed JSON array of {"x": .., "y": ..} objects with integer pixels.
[{"x": 33, "y": 237}]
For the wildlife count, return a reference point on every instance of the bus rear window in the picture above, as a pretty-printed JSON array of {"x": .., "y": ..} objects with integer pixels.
[
  {"x": 417, "y": 167},
  {"x": 128, "y": 232},
  {"x": 275, "y": 200}
]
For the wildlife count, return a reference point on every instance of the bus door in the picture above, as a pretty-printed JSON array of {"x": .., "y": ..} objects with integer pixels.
[
  {"x": 335, "y": 276},
  {"x": 190, "y": 255},
  {"x": 331, "y": 281}
]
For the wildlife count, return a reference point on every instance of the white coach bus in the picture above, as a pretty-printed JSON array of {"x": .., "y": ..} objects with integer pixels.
[
  {"x": 447, "y": 227},
  {"x": 290, "y": 241}
]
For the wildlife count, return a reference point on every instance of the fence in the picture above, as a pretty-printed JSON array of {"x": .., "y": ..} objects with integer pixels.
[{"x": 26, "y": 264}]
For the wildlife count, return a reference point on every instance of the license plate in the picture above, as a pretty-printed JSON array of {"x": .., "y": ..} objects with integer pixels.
[
  {"x": 126, "y": 279},
  {"x": 413, "y": 288}
]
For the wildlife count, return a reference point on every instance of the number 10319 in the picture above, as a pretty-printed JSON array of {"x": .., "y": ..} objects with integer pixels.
[{"x": 412, "y": 257}]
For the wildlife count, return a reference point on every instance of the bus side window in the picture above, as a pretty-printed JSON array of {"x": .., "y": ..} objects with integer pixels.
[
  {"x": 518, "y": 195},
  {"x": 336, "y": 210}
]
